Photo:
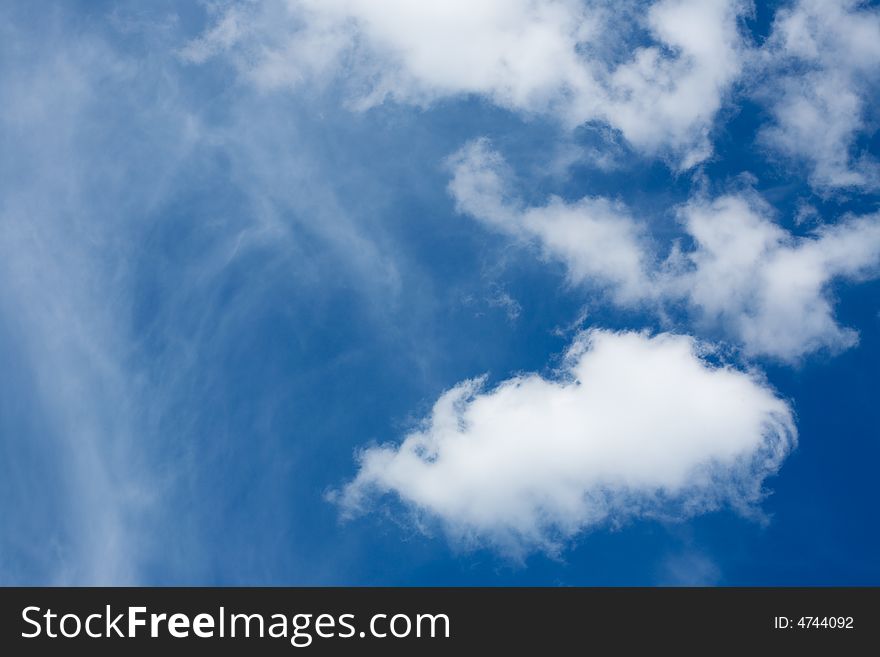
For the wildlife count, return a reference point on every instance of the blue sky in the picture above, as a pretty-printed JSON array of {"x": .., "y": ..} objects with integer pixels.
[{"x": 253, "y": 257}]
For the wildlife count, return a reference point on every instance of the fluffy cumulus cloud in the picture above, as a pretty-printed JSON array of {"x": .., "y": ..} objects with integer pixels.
[
  {"x": 744, "y": 275},
  {"x": 632, "y": 426},
  {"x": 765, "y": 287},
  {"x": 658, "y": 76},
  {"x": 596, "y": 238},
  {"x": 657, "y": 99},
  {"x": 824, "y": 63}
]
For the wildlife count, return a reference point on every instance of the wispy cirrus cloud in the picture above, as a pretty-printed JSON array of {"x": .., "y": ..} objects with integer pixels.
[
  {"x": 67, "y": 204},
  {"x": 135, "y": 225}
]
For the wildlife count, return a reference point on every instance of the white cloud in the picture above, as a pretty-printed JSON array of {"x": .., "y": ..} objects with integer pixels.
[
  {"x": 224, "y": 34},
  {"x": 660, "y": 100},
  {"x": 575, "y": 61},
  {"x": 765, "y": 288},
  {"x": 633, "y": 426},
  {"x": 115, "y": 335},
  {"x": 824, "y": 63},
  {"x": 59, "y": 292},
  {"x": 689, "y": 568},
  {"x": 594, "y": 237},
  {"x": 659, "y": 72}
]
